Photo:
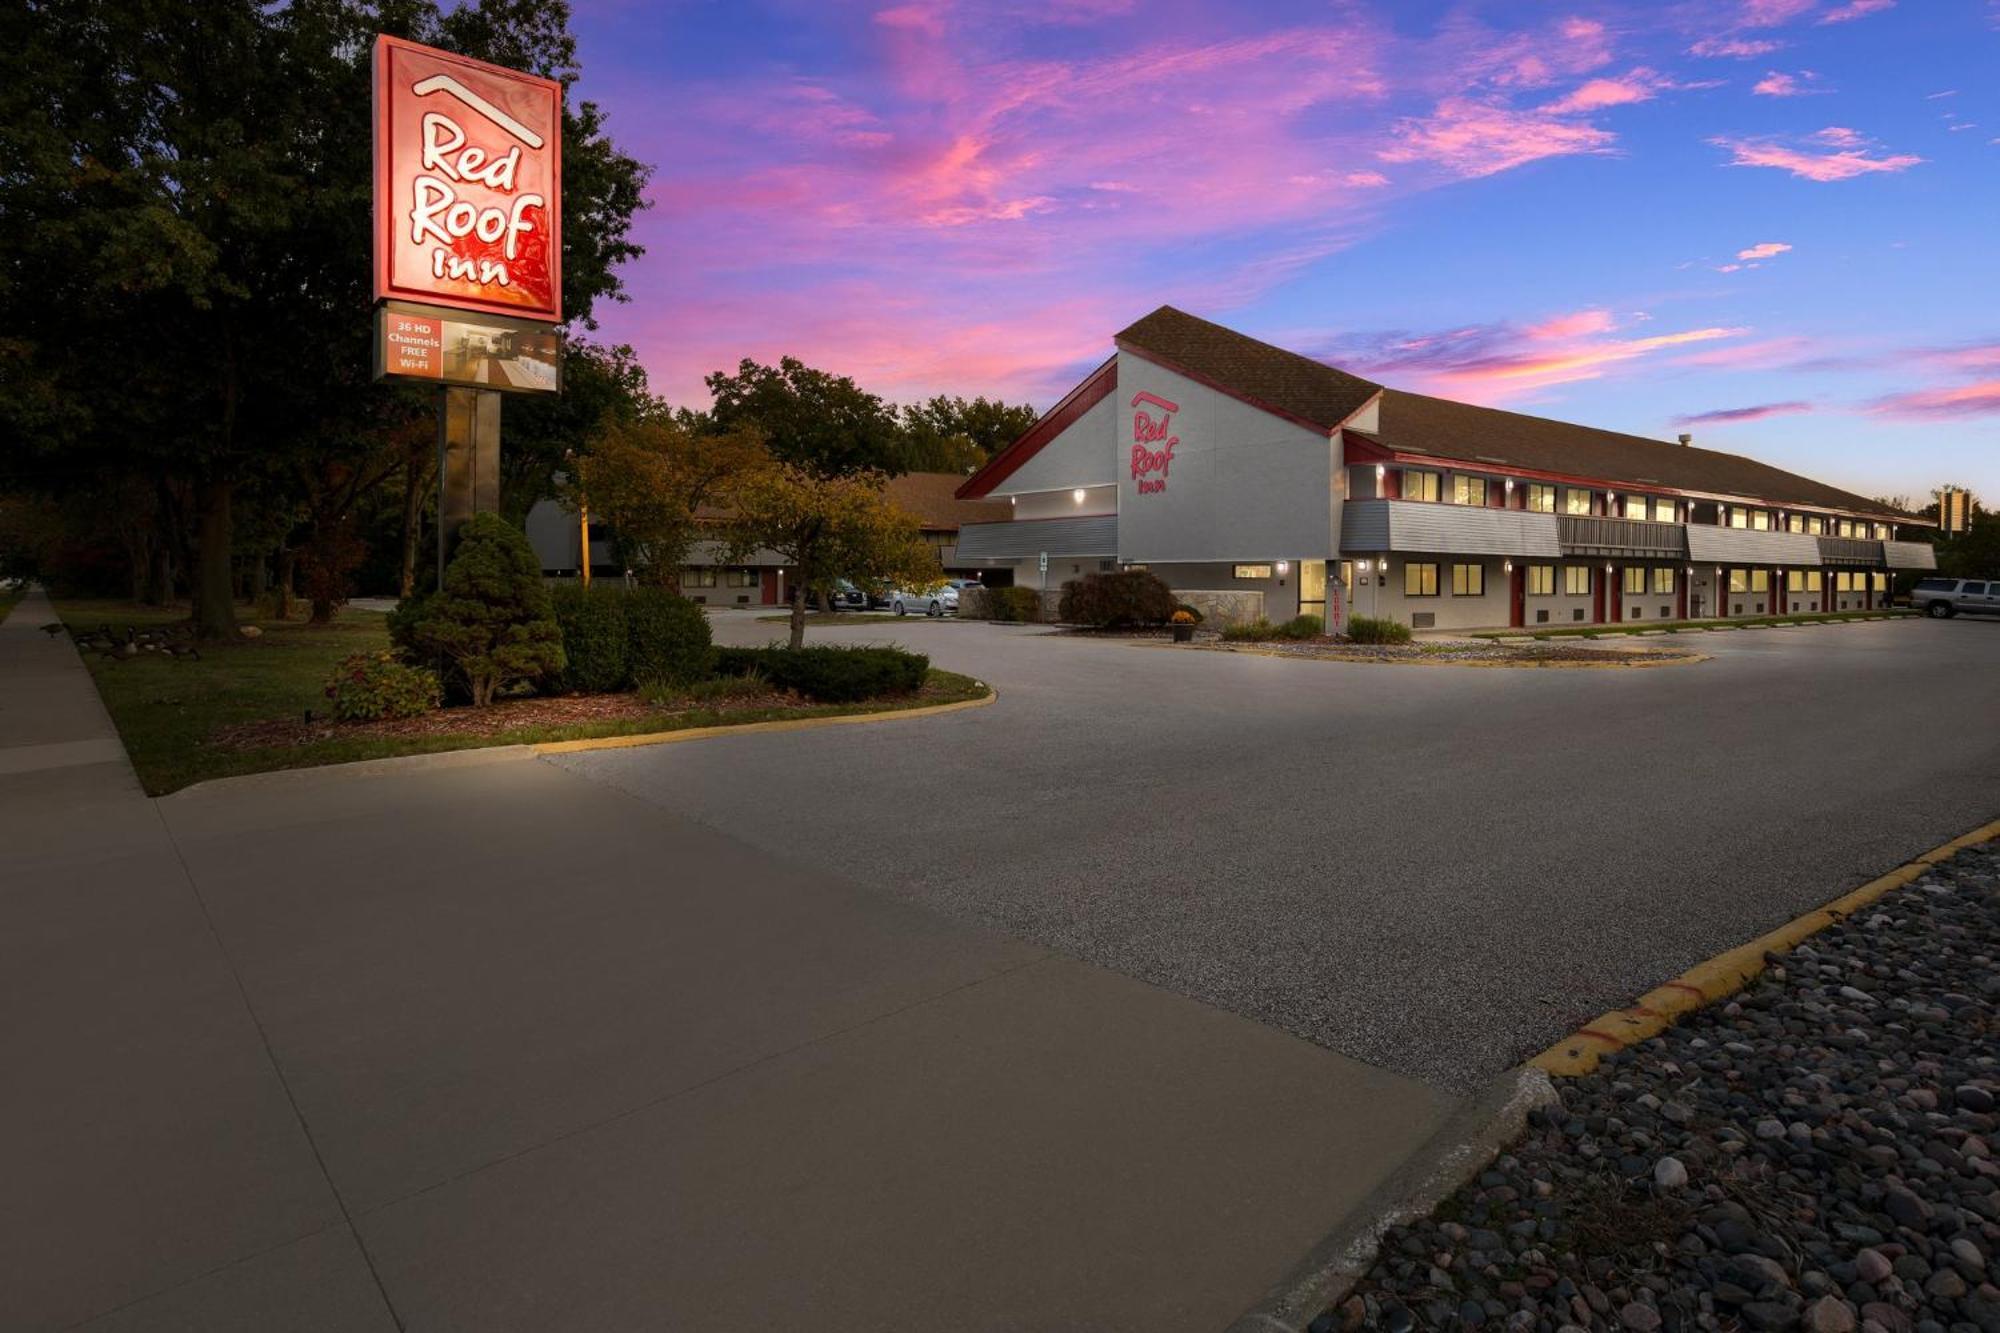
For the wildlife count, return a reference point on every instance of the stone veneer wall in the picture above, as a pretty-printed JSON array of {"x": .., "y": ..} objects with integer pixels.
[{"x": 1232, "y": 606}]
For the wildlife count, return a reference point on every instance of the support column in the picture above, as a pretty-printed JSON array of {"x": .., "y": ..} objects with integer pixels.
[{"x": 468, "y": 462}]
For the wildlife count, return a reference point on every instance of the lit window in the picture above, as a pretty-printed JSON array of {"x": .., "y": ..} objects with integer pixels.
[
  {"x": 1635, "y": 579},
  {"x": 1739, "y": 580},
  {"x": 1253, "y": 571},
  {"x": 1815, "y": 526},
  {"x": 1663, "y": 580},
  {"x": 1663, "y": 510},
  {"x": 1576, "y": 502},
  {"x": 1541, "y": 498},
  {"x": 1760, "y": 580},
  {"x": 1419, "y": 485},
  {"x": 1738, "y": 516},
  {"x": 1760, "y": 519},
  {"x": 1795, "y": 580},
  {"x": 1881, "y": 532},
  {"x": 1881, "y": 582},
  {"x": 1420, "y": 579},
  {"x": 1468, "y": 580},
  {"x": 1813, "y": 583},
  {"x": 1468, "y": 490},
  {"x": 1541, "y": 580},
  {"x": 1795, "y": 523},
  {"x": 1576, "y": 580}
]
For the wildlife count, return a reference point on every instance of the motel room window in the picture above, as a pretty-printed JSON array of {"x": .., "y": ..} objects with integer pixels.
[
  {"x": 1635, "y": 579},
  {"x": 1795, "y": 580},
  {"x": 1576, "y": 502},
  {"x": 1253, "y": 571},
  {"x": 1663, "y": 510},
  {"x": 1739, "y": 580},
  {"x": 1847, "y": 527},
  {"x": 1739, "y": 517},
  {"x": 1468, "y": 580},
  {"x": 1881, "y": 532},
  {"x": 1816, "y": 526},
  {"x": 1541, "y": 498},
  {"x": 1468, "y": 491},
  {"x": 1813, "y": 582},
  {"x": 1760, "y": 580},
  {"x": 1418, "y": 485},
  {"x": 1420, "y": 579},
  {"x": 1881, "y": 582},
  {"x": 1541, "y": 580},
  {"x": 1663, "y": 580},
  {"x": 1636, "y": 506},
  {"x": 739, "y": 578},
  {"x": 1795, "y": 523},
  {"x": 698, "y": 578},
  {"x": 1760, "y": 519},
  {"x": 1576, "y": 580},
  {"x": 1843, "y": 582}
]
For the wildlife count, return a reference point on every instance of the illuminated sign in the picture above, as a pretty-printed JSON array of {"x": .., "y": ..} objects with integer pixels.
[
  {"x": 483, "y": 351},
  {"x": 1148, "y": 431},
  {"x": 468, "y": 183}
]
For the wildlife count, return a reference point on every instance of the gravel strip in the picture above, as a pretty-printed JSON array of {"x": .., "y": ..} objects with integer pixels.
[{"x": 1816, "y": 1154}]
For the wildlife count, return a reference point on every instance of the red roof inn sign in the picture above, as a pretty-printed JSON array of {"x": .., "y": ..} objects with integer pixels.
[{"x": 468, "y": 181}]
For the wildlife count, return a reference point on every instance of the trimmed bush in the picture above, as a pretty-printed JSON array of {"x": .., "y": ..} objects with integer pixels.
[
  {"x": 828, "y": 673},
  {"x": 1250, "y": 631},
  {"x": 667, "y": 639},
  {"x": 592, "y": 621},
  {"x": 1302, "y": 627},
  {"x": 1298, "y": 628},
  {"x": 1015, "y": 605},
  {"x": 1111, "y": 601},
  {"x": 491, "y": 623},
  {"x": 1369, "y": 629},
  {"x": 366, "y": 687}
]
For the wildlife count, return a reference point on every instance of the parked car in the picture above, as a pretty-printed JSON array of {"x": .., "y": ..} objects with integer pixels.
[
  {"x": 943, "y": 602},
  {"x": 844, "y": 596},
  {"x": 1949, "y": 597}
]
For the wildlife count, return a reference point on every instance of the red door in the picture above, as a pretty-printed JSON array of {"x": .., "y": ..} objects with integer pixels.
[
  {"x": 768, "y": 587},
  {"x": 1681, "y": 602},
  {"x": 1597, "y": 601},
  {"x": 1520, "y": 601}
]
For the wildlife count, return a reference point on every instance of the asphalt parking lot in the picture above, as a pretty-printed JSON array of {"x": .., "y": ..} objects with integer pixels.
[{"x": 1438, "y": 870}]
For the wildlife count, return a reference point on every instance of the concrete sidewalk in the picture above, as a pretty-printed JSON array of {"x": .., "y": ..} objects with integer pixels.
[{"x": 475, "y": 1042}]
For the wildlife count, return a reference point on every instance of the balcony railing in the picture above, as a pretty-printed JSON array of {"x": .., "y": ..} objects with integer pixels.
[
  {"x": 1588, "y": 534},
  {"x": 1851, "y": 551}
]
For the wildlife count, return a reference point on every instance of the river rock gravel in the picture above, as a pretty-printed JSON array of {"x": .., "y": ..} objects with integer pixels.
[{"x": 1818, "y": 1154}]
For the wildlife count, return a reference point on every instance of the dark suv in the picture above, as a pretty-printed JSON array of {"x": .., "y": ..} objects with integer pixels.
[{"x": 1948, "y": 597}]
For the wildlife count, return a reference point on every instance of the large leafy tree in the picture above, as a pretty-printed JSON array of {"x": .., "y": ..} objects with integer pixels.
[
  {"x": 828, "y": 528},
  {"x": 186, "y": 191},
  {"x": 818, "y": 422},
  {"x": 651, "y": 481},
  {"x": 947, "y": 434}
]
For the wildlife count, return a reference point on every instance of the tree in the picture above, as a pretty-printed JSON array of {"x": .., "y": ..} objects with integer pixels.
[
  {"x": 829, "y": 528},
  {"x": 956, "y": 435},
  {"x": 492, "y": 620},
  {"x": 821, "y": 423},
  {"x": 650, "y": 479},
  {"x": 542, "y": 433}
]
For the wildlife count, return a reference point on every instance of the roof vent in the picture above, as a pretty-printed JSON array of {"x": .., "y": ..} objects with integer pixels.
[{"x": 1686, "y": 439}]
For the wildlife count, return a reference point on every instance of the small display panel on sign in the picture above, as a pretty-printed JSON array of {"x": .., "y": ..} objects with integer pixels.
[
  {"x": 468, "y": 183},
  {"x": 483, "y": 351}
]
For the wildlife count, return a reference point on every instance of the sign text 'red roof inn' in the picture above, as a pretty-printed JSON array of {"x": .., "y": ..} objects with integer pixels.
[{"x": 468, "y": 172}]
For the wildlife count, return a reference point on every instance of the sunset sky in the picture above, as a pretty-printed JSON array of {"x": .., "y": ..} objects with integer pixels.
[{"x": 1771, "y": 223}]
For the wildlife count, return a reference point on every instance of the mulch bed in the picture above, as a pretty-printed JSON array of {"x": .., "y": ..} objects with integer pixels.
[
  {"x": 568, "y": 710},
  {"x": 1511, "y": 654}
]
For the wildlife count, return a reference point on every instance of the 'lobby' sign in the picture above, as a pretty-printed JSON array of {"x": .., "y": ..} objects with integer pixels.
[
  {"x": 1148, "y": 431},
  {"x": 468, "y": 183}
]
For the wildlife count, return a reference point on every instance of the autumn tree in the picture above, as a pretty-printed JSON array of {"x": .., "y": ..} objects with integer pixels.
[
  {"x": 650, "y": 481},
  {"x": 826, "y": 529}
]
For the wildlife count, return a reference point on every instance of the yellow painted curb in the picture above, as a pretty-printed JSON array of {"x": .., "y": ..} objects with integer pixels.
[
  {"x": 1727, "y": 973},
  {"x": 745, "y": 728}
]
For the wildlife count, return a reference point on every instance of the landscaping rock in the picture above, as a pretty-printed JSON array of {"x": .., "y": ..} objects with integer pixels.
[{"x": 1816, "y": 1154}]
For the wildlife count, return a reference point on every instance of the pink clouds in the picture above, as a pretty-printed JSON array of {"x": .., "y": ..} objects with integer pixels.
[
  {"x": 1776, "y": 84},
  {"x": 1849, "y": 159},
  {"x": 1737, "y": 48},
  {"x": 1855, "y": 9},
  {"x": 1599, "y": 94},
  {"x": 1473, "y": 138},
  {"x": 1772, "y": 13},
  {"x": 1763, "y": 250},
  {"x": 1965, "y": 400},
  {"x": 1727, "y": 415},
  {"x": 1504, "y": 362}
]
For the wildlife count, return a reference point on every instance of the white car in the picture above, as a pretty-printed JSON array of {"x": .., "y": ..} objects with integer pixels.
[{"x": 943, "y": 602}]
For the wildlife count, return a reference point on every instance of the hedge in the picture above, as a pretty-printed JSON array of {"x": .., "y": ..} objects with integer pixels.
[
  {"x": 1368, "y": 629},
  {"x": 1108, "y": 601},
  {"x": 829, "y": 673},
  {"x": 617, "y": 638},
  {"x": 1017, "y": 605}
]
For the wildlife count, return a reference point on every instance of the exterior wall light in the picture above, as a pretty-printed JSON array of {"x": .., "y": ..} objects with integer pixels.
[
  {"x": 1507, "y": 566},
  {"x": 1362, "y": 565},
  {"x": 1284, "y": 568},
  {"x": 1013, "y": 499},
  {"x": 1510, "y": 485},
  {"x": 1077, "y": 495},
  {"x": 1380, "y": 472}
]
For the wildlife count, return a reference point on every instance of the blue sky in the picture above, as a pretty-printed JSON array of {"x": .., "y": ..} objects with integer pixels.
[{"x": 1765, "y": 222}]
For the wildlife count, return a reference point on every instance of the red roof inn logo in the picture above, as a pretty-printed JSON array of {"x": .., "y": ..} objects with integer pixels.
[
  {"x": 468, "y": 171},
  {"x": 1147, "y": 431}
]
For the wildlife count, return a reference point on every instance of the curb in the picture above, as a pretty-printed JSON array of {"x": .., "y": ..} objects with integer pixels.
[
  {"x": 1252, "y": 650},
  {"x": 1728, "y": 972},
  {"x": 467, "y": 757},
  {"x": 1469, "y": 1138},
  {"x": 792, "y": 724}
]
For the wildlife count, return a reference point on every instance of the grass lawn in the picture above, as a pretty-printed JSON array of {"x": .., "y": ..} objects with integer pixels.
[
  {"x": 1675, "y": 626},
  {"x": 169, "y": 709}
]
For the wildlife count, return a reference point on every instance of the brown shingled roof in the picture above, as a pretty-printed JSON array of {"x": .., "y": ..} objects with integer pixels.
[
  {"x": 1309, "y": 391},
  {"x": 929, "y": 495},
  {"x": 1415, "y": 423}
]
